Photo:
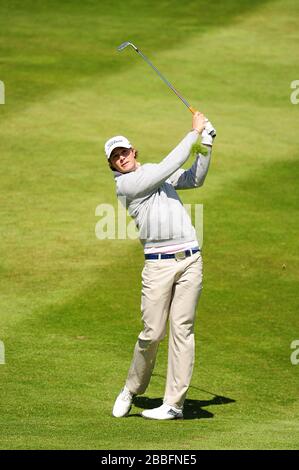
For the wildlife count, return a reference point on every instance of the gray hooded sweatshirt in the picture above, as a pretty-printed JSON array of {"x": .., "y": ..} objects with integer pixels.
[{"x": 149, "y": 194}]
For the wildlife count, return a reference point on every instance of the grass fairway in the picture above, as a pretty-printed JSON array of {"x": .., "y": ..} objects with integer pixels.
[{"x": 69, "y": 313}]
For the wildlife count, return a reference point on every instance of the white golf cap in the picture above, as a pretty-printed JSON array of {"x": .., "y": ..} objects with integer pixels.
[{"x": 114, "y": 142}]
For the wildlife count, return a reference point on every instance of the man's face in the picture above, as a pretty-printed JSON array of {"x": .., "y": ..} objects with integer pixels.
[{"x": 123, "y": 160}]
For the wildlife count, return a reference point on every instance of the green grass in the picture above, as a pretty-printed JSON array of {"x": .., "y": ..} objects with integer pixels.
[{"x": 69, "y": 313}]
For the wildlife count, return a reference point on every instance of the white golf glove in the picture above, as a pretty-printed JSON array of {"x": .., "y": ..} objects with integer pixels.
[{"x": 208, "y": 134}]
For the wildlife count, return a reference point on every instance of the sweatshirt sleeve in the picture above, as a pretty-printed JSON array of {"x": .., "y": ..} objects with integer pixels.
[
  {"x": 149, "y": 177},
  {"x": 195, "y": 175}
]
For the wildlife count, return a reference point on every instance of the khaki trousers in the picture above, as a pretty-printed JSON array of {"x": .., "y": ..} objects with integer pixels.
[{"x": 170, "y": 291}]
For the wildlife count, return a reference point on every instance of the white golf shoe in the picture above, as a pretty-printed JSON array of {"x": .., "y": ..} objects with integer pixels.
[
  {"x": 163, "y": 412},
  {"x": 123, "y": 403}
]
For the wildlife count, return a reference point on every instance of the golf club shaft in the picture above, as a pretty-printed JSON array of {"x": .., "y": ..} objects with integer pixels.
[
  {"x": 127, "y": 43},
  {"x": 166, "y": 81}
]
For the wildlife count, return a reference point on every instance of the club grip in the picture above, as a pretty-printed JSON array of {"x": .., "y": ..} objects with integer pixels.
[{"x": 193, "y": 110}]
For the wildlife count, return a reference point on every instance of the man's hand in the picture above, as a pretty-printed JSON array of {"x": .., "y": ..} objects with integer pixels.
[{"x": 198, "y": 122}]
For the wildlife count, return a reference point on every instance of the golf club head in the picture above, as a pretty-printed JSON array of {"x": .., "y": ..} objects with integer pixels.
[{"x": 126, "y": 44}]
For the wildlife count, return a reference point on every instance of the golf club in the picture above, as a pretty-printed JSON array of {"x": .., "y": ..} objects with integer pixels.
[{"x": 126, "y": 44}]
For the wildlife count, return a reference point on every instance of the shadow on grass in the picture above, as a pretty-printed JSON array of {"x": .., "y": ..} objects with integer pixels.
[{"x": 193, "y": 409}]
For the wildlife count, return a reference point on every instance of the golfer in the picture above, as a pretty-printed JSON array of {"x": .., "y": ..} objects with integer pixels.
[{"x": 172, "y": 274}]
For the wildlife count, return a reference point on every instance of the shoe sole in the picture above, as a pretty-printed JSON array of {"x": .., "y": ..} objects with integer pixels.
[{"x": 166, "y": 419}]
